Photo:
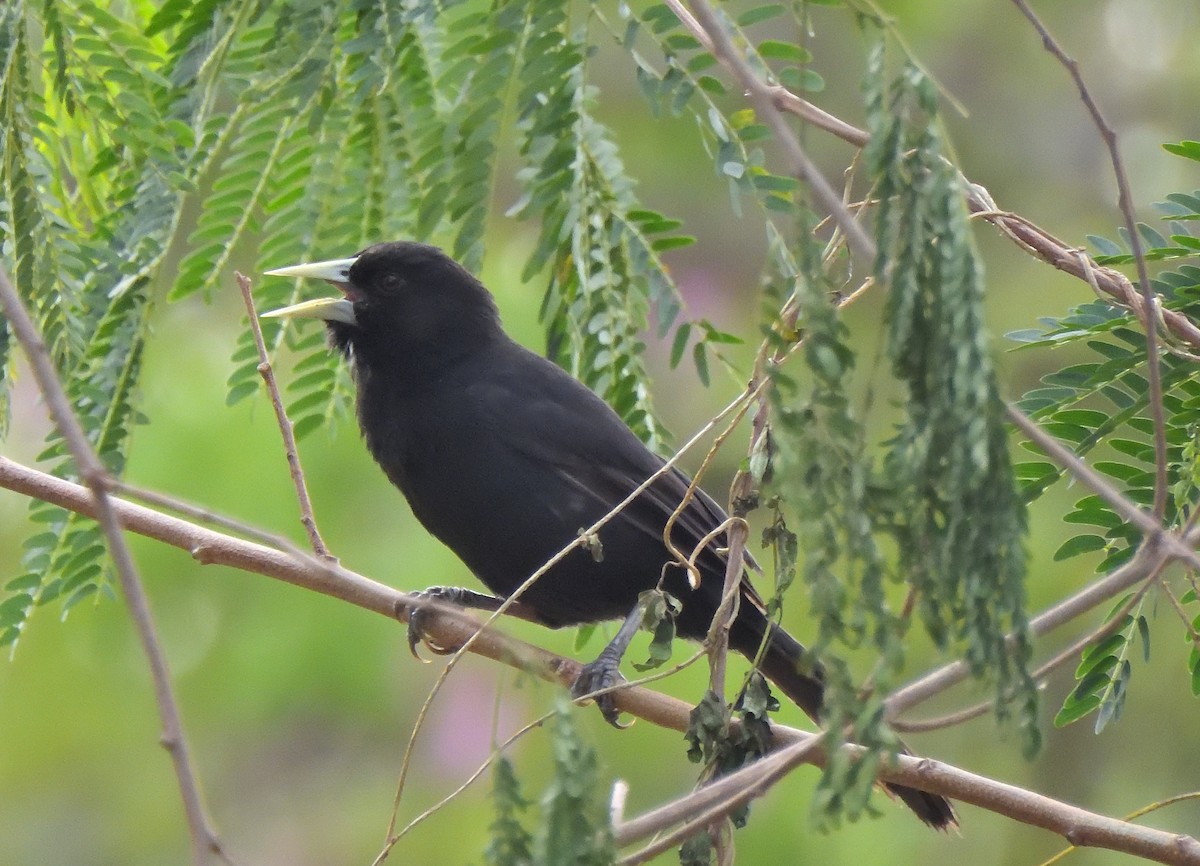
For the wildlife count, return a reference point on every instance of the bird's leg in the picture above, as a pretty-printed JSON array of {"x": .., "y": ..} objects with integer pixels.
[
  {"x": 452, "y": 595},
  {"x": 605, "y": 671}
]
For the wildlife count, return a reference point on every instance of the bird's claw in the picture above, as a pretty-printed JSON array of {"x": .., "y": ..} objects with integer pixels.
[
  {"x": 416, "y": 631},
  {"x": 601, "y": 674}
]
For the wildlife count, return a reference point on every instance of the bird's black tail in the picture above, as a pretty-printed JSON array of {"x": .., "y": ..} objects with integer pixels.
[{"x": 784, "y": 664}]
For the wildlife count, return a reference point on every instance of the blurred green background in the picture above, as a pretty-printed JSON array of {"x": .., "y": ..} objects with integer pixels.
[{"x": 298, "y": 708}]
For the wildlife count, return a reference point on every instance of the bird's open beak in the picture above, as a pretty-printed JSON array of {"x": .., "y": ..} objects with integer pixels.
[
  {"x": 335, "y": 271},
  {"x": 328, "y": 309}
]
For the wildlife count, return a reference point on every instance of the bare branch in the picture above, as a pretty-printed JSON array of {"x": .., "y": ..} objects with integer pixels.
[
  {"x": 205, "y": 840},
  {"x": 1147, "y": 561},
  {"x": 1078, "y": 826},
  {"x": 1148, "y": 525},
  {"x": 286, "y": 428},
  {"x": 799, "y": 164}
]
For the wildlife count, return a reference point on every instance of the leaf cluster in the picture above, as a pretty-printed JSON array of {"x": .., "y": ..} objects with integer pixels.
[
  {"x": 572, "y": 827},
  {"x": 1100, "y": 407},
  {"x": 960, "y": 534}
]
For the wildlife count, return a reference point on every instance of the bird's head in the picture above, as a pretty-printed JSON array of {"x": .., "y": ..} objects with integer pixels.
[{"x": 401, "y": 302}]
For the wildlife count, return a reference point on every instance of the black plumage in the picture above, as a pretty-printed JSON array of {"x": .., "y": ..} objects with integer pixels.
[{"x": 505, "y": 457}]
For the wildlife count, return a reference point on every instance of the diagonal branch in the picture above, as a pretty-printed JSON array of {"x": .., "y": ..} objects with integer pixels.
[
  {"x": 762, "y": 95},
  {"x": 1026, "y": 234},
  {"x": 204, "y": 837},
  {"x": 1079, "y": 826},
  {"x": 286, "y": 428},
  {"x": 1150, "y": 527},
  {"x": 451, "y": 627}
]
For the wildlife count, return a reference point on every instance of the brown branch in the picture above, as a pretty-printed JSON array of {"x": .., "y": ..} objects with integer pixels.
[
  {"x": 1138, "y": 813},
  {"x": 1148, "y": 525},
  {"x": 286, "y": 428},
  {"x": 205, "y": 840},
  {"x": 1043, "y": 670},
  {"x": 1117, "y": 288},
  {"x": 1147, "y": 561},
  {"x": 799, "y": 164},
  {"x": 451, "y": 627},
  {"x": 1079, "y": 826}
]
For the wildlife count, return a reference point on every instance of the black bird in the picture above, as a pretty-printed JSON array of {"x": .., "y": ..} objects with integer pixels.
[{"x": 505, "y": 457}]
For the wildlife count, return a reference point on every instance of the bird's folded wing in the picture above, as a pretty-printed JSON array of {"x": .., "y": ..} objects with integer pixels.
[{"x": 601, "y": 457}]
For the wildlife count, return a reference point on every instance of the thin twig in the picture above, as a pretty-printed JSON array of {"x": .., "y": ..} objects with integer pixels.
[
  {"x": 1029, "y": 236},
  {"x": 1148, "y": 525},
  {"x": 687, "y": 561},
  {"x": 1125, "y": 203},
  {"x": 393, "y": 839},
  {"x": 1071, "y": 652},
  {"x": 1193, "y": 635},
  {"x": 717, "y": 640},
  {"x": 764, "y": 98},
  {"x": 204, "y": 516},
  {"x": 205, "y": 840},
  {"x": 740, "y": 492},
  {"x": 1145, "y": 562},
  {"x": 286, "y": 428}
]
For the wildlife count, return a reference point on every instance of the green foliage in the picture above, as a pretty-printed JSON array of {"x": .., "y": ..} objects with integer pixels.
[
  {"x": 1101, "y": 404},
  {"x": 724, "y": 747},
  {"x": 1102, "y": 677},
  {"x": 732, "y": 135},
  {"x": 1193, "y": 637},
  {"x": 602, "y": 250},
  {"x": 317, "y": 129},
  {"x": 846, "y": 785},
  {"x": 815, "y": 460},
  {"x": 961, "y": 529},
  {"x": 681, "y": 82},
  {"x": 236, "y": 131},
  {"x": 822, "y": 469},
  {"x": 574, "y": 828},
  {"x": 697, "y": 851},
  {"x": 511, "y": 843},
  {"x": 659, "y": 610},
  {"x": 1188, "y": 149}
]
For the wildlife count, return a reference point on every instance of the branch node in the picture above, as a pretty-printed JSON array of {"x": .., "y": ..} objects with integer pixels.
[{"x": 203, "y": 554}]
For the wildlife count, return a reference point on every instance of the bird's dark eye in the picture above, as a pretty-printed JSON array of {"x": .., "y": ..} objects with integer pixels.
[{"x": 391, "y": 282}]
